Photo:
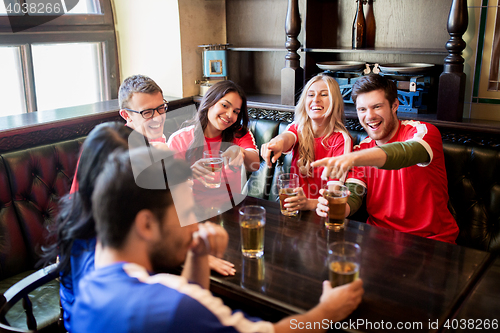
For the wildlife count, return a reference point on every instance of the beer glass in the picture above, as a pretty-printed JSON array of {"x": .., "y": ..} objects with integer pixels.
[
  {"x": 212, "y": 161},
  {"x": 336, "y": 195},
  {"x": 252, "y": 222},
  {"x": 344, "y": 259},
  {"x": 287, "y": 183}
]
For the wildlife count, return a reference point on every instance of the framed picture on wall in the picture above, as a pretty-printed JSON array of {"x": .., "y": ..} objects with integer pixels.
[
  {"x": 214, "y": 63},
  {"x": 215, "y": 67}
]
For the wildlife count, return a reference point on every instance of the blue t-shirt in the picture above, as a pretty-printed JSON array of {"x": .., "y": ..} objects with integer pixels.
[
  {"x": 82, "y": 262},
  {"x": 124, "y": 298}
]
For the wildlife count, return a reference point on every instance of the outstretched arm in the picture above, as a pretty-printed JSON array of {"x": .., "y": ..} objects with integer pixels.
[
  {"x": 338, "y": 166},
  {"x": 236, "y": 156},
  {"x": 391, "y": 156},
  {"x": 277, "y": 145}
]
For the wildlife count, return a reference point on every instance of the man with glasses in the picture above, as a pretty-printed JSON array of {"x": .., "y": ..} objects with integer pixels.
[{"x": 143, "y": 107}]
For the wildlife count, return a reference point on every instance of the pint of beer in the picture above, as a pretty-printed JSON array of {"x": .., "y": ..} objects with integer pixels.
[
  {"x": 252, "y": 223},
  {"x": 213, "y": 162},
  {"x": 336, "y": 195},
  {"x": 287, "y": 183},
  {"x": 344, "y": 259}
]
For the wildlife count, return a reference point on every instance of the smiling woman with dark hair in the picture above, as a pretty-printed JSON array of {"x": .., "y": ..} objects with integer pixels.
[{"x": 76, "y": 235}]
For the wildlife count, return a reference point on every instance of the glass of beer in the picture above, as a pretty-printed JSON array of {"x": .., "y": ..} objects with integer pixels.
[
  {"x": 344, "y": 259},
  {"x": 287, "y": 183},
  {"x": 213, "y": 162},
  {"x": 252, "y": 222},
  {"x": 337, "y": 195}
]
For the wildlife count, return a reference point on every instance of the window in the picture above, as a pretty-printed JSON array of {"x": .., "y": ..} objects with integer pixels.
[
  {"x": 60, "y": 81},
  {"x": 11, "y": 83},
  {"x": 494, "y": 79},
  {"x": 54, "y": 61}
]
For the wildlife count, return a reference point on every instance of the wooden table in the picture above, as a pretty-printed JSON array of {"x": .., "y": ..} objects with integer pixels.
[
  {"x": 481, "y": 310},
  {"x": 408, "y": 280}
]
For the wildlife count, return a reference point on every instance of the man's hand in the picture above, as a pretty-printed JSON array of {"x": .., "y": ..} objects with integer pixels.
[
  {"x": 322, "y": 207},
  {"x": 335, "y": 167},
  {"x": 341, "y": 301},
  {"x": 275, "y": 146},
  {"x": 209, "y": 239}
]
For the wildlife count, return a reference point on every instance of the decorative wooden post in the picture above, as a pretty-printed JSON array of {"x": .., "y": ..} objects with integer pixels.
[
  {"x": 452, "y": 81},
  {"x": 292, "y": 76}
]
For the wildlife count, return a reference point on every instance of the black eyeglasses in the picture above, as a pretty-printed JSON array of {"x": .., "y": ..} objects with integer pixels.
[{"x": 149, "y": 113}]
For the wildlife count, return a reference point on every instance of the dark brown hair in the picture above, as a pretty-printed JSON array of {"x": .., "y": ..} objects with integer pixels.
[
  {"x": 120, "y": 195},
  {"x": 374, "y": 82},
  {"x": 200, "y": 120}
]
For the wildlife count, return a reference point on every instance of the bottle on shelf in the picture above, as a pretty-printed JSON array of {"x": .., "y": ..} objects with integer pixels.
[
  {"x": 370, "y": 25},
  {"x": 359, "y": 28}
]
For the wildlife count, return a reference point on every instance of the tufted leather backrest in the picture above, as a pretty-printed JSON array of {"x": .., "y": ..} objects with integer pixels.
[
  {"x": 35, "y": 178},
  {"x": 259, "y": 183},
  {"x": 474, "y": 189},
  {"x": 13, "y": 251},
  {"x": 284, "y": 163}
]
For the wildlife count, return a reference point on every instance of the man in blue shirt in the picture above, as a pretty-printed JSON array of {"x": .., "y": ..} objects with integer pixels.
[{"x": 142, "y": 232}]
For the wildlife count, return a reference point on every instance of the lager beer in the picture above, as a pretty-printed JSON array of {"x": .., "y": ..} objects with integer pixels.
[
  {"x": 343, "y": 272},
  {"x": 344, "y": 260},
  {"x": 287, "y": 183},
  {"x": 285, "y": 193},
  {"x": 252, "y": 238},
  {"x": 252, "y": 223},
  {"x": 336, "y": 209}
]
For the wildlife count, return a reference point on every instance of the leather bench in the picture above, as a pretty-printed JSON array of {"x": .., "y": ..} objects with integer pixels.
[{"x": 32, "y": 181}]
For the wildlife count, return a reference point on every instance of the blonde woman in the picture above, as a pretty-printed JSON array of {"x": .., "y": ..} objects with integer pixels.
[{"x": 317, "y": 132}]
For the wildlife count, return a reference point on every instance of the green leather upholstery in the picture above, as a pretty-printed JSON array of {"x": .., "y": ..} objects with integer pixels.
[
  {"x": 45, "y": 301},
  {"x": 32, "y": 182},
  {"x": 258, "y": 185}
]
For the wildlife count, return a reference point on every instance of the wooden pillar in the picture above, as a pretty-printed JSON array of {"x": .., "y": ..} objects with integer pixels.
[
  {"x": 292, "y": 75},
  {"x": 452, "y": 81}
]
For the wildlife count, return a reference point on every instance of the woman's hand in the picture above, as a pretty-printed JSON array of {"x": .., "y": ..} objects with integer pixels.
[
  {"x": 200, "y": 171},
  {"x": 299, "y": 201},
  {"x": 221, "y": 266},
  {"x": 235, "y": 156},
  {"x": 274, "y": 146},
  {"x": 322, "y": 205}
]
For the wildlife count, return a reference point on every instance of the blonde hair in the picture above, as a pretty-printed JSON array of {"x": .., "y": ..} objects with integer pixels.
[{"x": 334, "y": 121}]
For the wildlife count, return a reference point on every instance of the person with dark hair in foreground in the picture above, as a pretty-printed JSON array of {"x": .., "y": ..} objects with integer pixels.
[
  {"x": 76, "y": 236},
  {"x": 400, "y": 166},
  {"x": 144, "y": 234}
]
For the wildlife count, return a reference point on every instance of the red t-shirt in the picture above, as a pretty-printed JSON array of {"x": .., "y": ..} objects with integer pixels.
[
  {"x": 412, "y": 199},
  {"x": 207, "y": 197},
  {"x": 337, "y": 144}
]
